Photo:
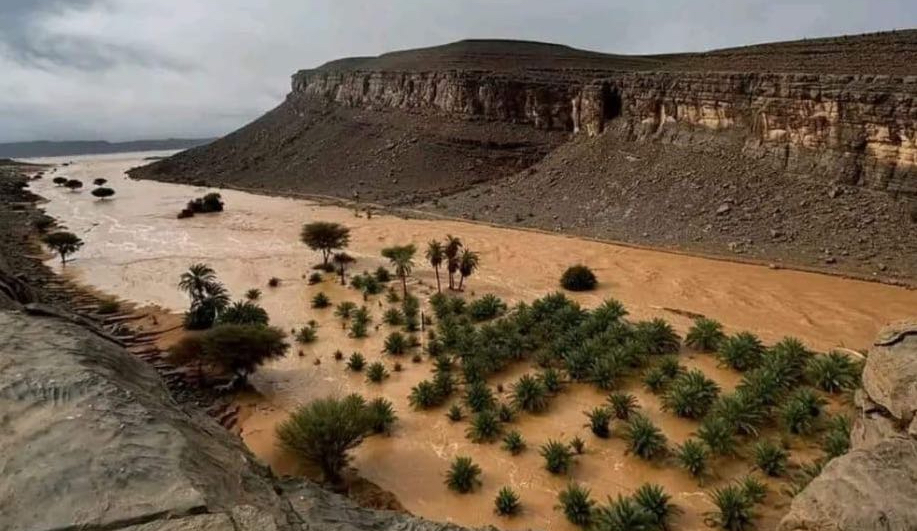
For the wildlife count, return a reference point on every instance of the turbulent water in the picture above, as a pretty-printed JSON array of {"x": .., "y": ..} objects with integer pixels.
[{"x": 136, "y": 249}]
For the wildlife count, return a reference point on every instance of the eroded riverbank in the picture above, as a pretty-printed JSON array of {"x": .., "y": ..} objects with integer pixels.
[{"x": 136, "y": 249}]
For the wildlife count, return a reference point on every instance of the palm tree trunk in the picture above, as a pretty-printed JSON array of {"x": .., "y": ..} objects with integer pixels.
[
  {"x": 343, "y": 282},
  {"x": 438, "y": 288},
  {"x": 404, "y": 285},
  {"x": 461, "y": 281}
]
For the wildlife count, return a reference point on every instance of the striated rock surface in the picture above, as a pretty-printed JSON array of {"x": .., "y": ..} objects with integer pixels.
[
  {"x": 873, "y": 487},
  {"x": 90, "y": 439}
]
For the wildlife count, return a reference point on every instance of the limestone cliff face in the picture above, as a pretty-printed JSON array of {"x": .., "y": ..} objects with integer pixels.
[{"x": 857, "y": 129}]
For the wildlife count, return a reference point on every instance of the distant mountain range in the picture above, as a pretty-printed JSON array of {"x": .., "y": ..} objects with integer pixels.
[{"x": 45, "y": 148}]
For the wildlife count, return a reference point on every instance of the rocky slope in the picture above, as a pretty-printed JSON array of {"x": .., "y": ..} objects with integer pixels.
[{"x": 408, "y": 127}]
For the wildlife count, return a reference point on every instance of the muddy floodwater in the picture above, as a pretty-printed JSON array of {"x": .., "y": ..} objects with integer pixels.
[{"x": 136, "y": 249}]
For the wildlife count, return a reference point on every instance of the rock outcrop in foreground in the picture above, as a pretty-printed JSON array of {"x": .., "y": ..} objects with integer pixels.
[
  {"x": 874, "y": 486},
  {"x": 91, "y": 440}
]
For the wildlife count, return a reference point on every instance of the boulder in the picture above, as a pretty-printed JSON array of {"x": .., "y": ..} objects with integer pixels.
[
  {"x": 890, "y": 374},
  {"x": 865, "y": 490},
  {"x": 90, "y": 439}
]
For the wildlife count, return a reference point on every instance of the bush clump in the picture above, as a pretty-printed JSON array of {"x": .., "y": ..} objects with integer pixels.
[
  {"x": 577, "y": 505},
  {"x": 557, "y": 456},
  {"x": 507, "y": 502},
  {"x": 578, "y": 278},
  {"x": 644, "y": 438},
  {"x": 513, "y": 442},
  {"x": 320, "y": 301},
  {"x": 463, "y": 476}
]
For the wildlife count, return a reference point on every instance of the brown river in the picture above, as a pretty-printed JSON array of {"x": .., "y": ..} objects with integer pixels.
[{"x": 136, "y": 249}]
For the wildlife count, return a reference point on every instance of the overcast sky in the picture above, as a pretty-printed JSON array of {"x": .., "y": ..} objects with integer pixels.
[{"x": 129, "y": 69}]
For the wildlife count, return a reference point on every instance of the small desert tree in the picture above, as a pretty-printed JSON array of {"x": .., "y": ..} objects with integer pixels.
[
  {"x": 402, "y": 259},
  {"x": 325, "y": 236},
  {"x": 103, "y": 193},
  {"x": 325, "y": 430},
  {"x": 63, "y": 243},
  {"x": 240, "y": 349},
  {"x": 74, "y": 184},
  {"x": 341, "y": 260},
  {"x": 59, "y": 181},
  {"x": 100, "y": 181},
  {"x": 435, "y": 255}
]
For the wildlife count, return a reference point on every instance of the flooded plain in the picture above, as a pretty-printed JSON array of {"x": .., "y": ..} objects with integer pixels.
[{"x": 136, "y": 249}]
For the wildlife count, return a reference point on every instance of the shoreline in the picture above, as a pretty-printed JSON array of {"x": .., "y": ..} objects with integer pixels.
[
  {"x": 414, "y": 213},
  {"x": 145, "y": 331}
]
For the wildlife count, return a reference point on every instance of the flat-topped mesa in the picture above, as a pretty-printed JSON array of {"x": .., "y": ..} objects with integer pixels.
[{"x": 856, "y": 129}]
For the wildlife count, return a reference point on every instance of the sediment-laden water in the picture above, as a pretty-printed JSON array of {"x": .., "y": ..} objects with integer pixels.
[{"x": 136, "y": 249}]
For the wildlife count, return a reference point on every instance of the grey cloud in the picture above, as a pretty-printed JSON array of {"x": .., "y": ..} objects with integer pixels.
[{"x": 122, "y": 69}]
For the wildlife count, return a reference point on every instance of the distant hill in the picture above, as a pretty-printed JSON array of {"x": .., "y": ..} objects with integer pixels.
[{"x": 45, "y": 148}]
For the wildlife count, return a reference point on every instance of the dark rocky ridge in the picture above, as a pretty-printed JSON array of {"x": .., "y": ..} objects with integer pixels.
[{"x": 808, "y": 117}]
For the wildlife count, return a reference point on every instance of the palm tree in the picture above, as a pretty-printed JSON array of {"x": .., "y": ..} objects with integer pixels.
[
  {"x": 453, "y": 246},
  {"x": 402, "y": 259},
  {"x": 197, "y": 281},
  {"x": 435, "y": 255},
  {"x": 341, "y": 260},
  {"x": 468, "y": 263}
]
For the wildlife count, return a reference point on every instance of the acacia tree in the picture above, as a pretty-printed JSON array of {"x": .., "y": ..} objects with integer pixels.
[
  {"x": 468, "y": 264},
  {"x": 74, "y": 184},
  {"x": 59, "y": 181},
  {"x": 453, "y": 246},
  {"x": 325, "y": 236},
  {"x": 402, "y": 259},
  {"x": 341, "y": 260},
  {"x": 435, "y": 255},
  {"x": 63, "y": 243},
  {"x": 100, "y": 182},
  {"x": 103, "y": 192}
]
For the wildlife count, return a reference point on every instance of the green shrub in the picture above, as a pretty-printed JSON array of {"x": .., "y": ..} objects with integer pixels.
[
  {"x": 754, "y": 489},
  {"x": 237, "y": 349},
  {"x": 734, "y": 509},
  {"x": 605, "y": 371},
  {"x": 550, "y": 378},
  {"x": 356, "y": 362},
  {"x": 381, "y": 415},
  {"x": 643, "y": 437},
  {"x": 529, "y": 394},
  {"x": 425, "y": 395},
  {"x": 315, "y": 278},
  {"x": 479, "y": 397},
  {"x": 622, "y": 514},
  {"x": 833, "y": 372},
  {"x": 455, "y": 413},
  {"x": 443, "y": 384},
  {"x": 656, "y": 503},
  {"x": 359, "y": 322},
  {"x": 345, "y": 309},
  {"x": 325, "y": 430},
  {"x": 578, "y": 445},
  {"x": 742, "y": 351},
  {"x": 577, "y": 505},
  {"x": 770, "y": 458},
  {"x": 690, "y": 395},
  {"x": 764, "y": 383},
  {"x": 578, "y": 278},
  {"x": 506, "y": 502},
  {"x": 463, "y": 476},
  {"x": 623, "y": 405},
  {"x": 382, "y": 274},
  {"x": 485, "y": 427},
  {"x": 599, "y": 419},
  {"x": 487, "y": 307},
  {"x": 320, "y": 300},
  {"x": 395, "y": 344},
  {"x": 705, "y": 335},
  {"x": 513, "y": 442},
  {"x": 800, "y": 411},
  {"x": 657, "y": 336},
  {"x": 506, "y": 413},
  {"x": 692, "y": 456},
  {"x": 655, "y": 380},
  {"x": 836, "y": 440},
  {"x": 742, "y": 411},
  {"x": 306, "y": 335},
  {"x": 718, "y": 435},
  {"x": 557, "y": 456},
  {"x": 393, "y": 317},
  {"x": 243, "y": 313},
  {"x": 376, "y": 372}
]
